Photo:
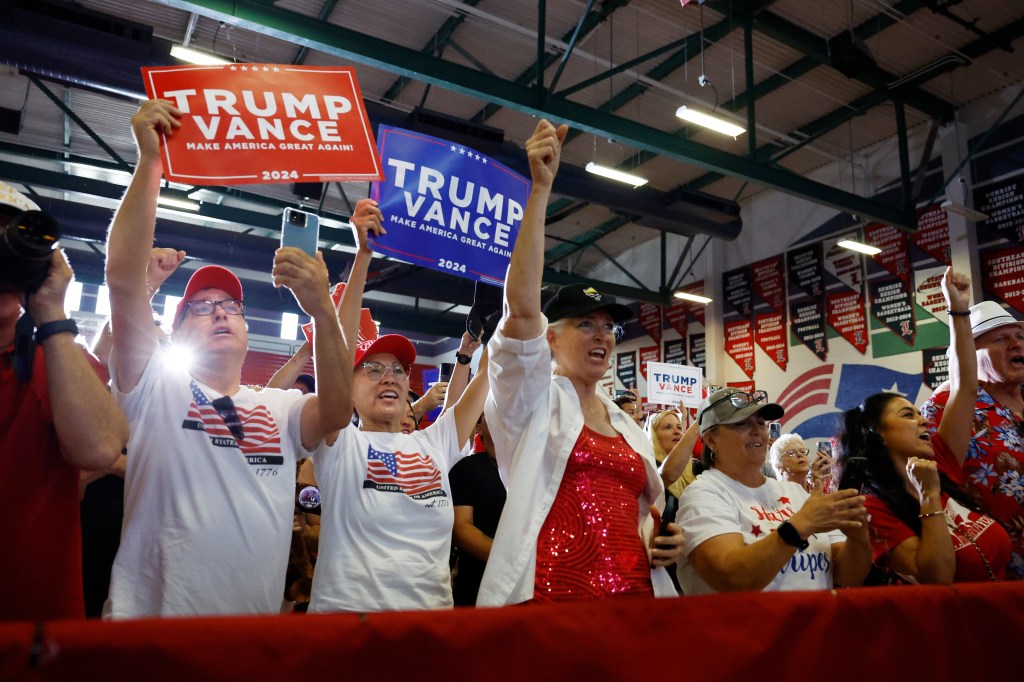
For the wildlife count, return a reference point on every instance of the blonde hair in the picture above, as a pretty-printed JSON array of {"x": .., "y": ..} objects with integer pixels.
[{"x": 651, "y": 427}]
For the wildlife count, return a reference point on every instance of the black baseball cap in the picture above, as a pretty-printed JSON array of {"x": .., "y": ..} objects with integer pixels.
[{"x": 577, "y": 300}]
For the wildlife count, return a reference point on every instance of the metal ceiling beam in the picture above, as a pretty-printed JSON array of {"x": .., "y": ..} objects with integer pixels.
[
  {"x": 433, "y": 46},
  {"x": 789, "y": 74},
  {"x": 582, "y": 241},
  {"x": 534, "y": 74},
  {"x": 361, "y": 48},
  {"x": 833, "y": 119},
  {"x": 816, "y": 48}
]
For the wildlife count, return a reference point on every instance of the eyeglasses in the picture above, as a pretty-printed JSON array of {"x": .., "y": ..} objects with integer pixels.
[
  {"x": 226, "y": 409},
  {"x": 375, "y": 371},
  {"x": 307, "y": 498},
  {"x": 231, "y": 306},
  {"x": 739, "y": 400},
  {"x": 793, "y": 453}
]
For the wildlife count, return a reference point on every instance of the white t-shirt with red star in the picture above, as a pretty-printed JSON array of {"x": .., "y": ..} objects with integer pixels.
[{"x": 716, "y": 505}]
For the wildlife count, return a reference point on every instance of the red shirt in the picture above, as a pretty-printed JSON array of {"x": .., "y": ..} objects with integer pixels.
[
  {"x": 40, "y": 536},
  {"x": 993, "y": 470},
  {"x": 973, "y": 534},
  {"x": 589, "y": 546}
]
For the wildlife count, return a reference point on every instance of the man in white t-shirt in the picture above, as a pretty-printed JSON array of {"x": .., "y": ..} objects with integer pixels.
[
  {"x": 210, "y": 473},
  {"x": 386, "y": 516}
]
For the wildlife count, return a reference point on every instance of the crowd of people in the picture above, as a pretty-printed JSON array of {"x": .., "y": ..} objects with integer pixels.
[{"x": 322, "y": 492}]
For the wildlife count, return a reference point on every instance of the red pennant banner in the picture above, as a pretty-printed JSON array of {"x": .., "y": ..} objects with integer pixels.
[
  {"x": 367, "y": 327},
  {"x": 695, "y": 310},
  {"x": 771, "y": 337},
  {"x": 895, "y": 256},
  {"x": 932, "y": 234},
  {"x": 1002, "y": 275},
  {"x": 649, "y": 354},
  {"x": 676, "y": 316},
  {"x": 739, "y": 344},
  {"x": 265, "y": 123},
  {"x": 847, "y": 315},
  {"x": 769, "y": 283},
  {"x": 650, "y": 320}
]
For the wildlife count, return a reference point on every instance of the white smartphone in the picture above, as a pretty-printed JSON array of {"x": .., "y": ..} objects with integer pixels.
[{"x": 301, "y": 230}]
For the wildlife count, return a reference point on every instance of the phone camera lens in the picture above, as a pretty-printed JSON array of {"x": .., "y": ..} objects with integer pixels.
[{"x": 296, "y": 218}]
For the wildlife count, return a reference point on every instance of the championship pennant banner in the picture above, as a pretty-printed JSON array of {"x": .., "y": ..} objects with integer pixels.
[
  {"x": 739, "y": 344},
  {"x": 447, "y": 207},
  {"x": 625, "y": 368},
  {"x": 769, "y": 284},
  {"x": 265, "y": 123},
  {"x": 806, "y": 297},
  {"x": 650, "y": 320},
  {"x": 845, "y": 294}
]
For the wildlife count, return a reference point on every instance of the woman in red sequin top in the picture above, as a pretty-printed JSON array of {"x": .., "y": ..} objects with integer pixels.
[{"x": 584, "y": 495}]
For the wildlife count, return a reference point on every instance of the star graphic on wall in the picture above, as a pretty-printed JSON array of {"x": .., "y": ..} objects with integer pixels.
[
  {"x": 784, "y": 500},
  {"x": 755, "y": 530},
  {"x": 276, "y": 69},
  {"x": 462, "y": 151},
  {"x": 266, "y": 68},
  {"x": 454, "y": 148},
  {"x": 233, "y": 67}
]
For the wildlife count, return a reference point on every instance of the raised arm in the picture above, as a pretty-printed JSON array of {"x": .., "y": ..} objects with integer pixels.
[
  {"x": 522, "y": 318},
  {"x": 331, "y": 408},
  {"x": 162, "y": 264},
  {"x": 129, "y": 244},
  {"x": 958, "y": 417},
  {"x": 675, "y": 463},
  {"x": 90, "y": 427},
  {"x": 460, "y": 375},
  {"x": 289, "y": 372},
  {"x": 471, "y": 403}
]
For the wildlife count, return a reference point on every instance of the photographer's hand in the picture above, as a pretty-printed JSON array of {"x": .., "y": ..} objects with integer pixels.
[{"x": 46, "y": 304}]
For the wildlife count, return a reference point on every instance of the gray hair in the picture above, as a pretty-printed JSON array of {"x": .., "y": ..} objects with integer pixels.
[{"x": 786, "y": 441}]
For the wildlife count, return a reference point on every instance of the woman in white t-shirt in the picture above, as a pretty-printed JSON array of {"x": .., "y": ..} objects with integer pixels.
[
  {"x": 743, "y": 531},
  {"x": 386, "y": 514}
]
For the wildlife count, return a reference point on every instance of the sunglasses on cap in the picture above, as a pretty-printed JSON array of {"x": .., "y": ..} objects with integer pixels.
[{"x": 739, "y": 400}]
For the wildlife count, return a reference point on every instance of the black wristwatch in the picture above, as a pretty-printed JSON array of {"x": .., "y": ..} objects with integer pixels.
[
  {"x": 789, "y": 534},
  {"x": 462, "y": 358},
  {"x": 48, "y": 329}
]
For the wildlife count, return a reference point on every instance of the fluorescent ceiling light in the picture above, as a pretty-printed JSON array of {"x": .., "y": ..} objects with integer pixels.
[
  {"x": 177, "y": 202},
  {"x": 612, "y": 174},
  {"x": 961, "y": 210},
  {"x": 715, "y": 123},
  {"x": 187, "y": 54},
  {"x": 692, "y": 297},
  {"x": 860, "y": 248}
]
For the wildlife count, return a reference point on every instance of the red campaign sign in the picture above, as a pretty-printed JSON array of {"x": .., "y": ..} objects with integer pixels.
[
  {"x": 769, "y": 283},
  {"x": 932, "y": 234},
  {"x": 650, "y": 320},
  {"x": 895, "y": 256},
  {"x": 265, "y": 123},
  {"x": 649, "y": 354},
  {"x": 847, "y": 315},
  {"x": 367, "y": 327},
  {"x": 739, "y": 344},
  {"x": 771, "y": 337},
  {"x": 1002, "y": 275}
]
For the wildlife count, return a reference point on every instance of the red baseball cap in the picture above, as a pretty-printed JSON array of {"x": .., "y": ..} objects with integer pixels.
[
  {"x": 396, "y": 344},
  {"x": 208, "y": 277}
]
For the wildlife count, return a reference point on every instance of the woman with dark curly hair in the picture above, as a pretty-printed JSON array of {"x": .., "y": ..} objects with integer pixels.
[{"x": 923, "y": 527}]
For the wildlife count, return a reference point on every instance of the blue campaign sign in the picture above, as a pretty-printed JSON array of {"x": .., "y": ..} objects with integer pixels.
[{"x": 447, "y": 206}]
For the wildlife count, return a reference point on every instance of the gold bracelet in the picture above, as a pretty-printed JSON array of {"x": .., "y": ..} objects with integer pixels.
[{"x": 934, "y": 513}]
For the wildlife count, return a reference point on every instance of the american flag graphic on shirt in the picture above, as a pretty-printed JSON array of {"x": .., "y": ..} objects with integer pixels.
[
  {"x": 400, "y": 472},
  {"x": 262, "y": 436}
]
